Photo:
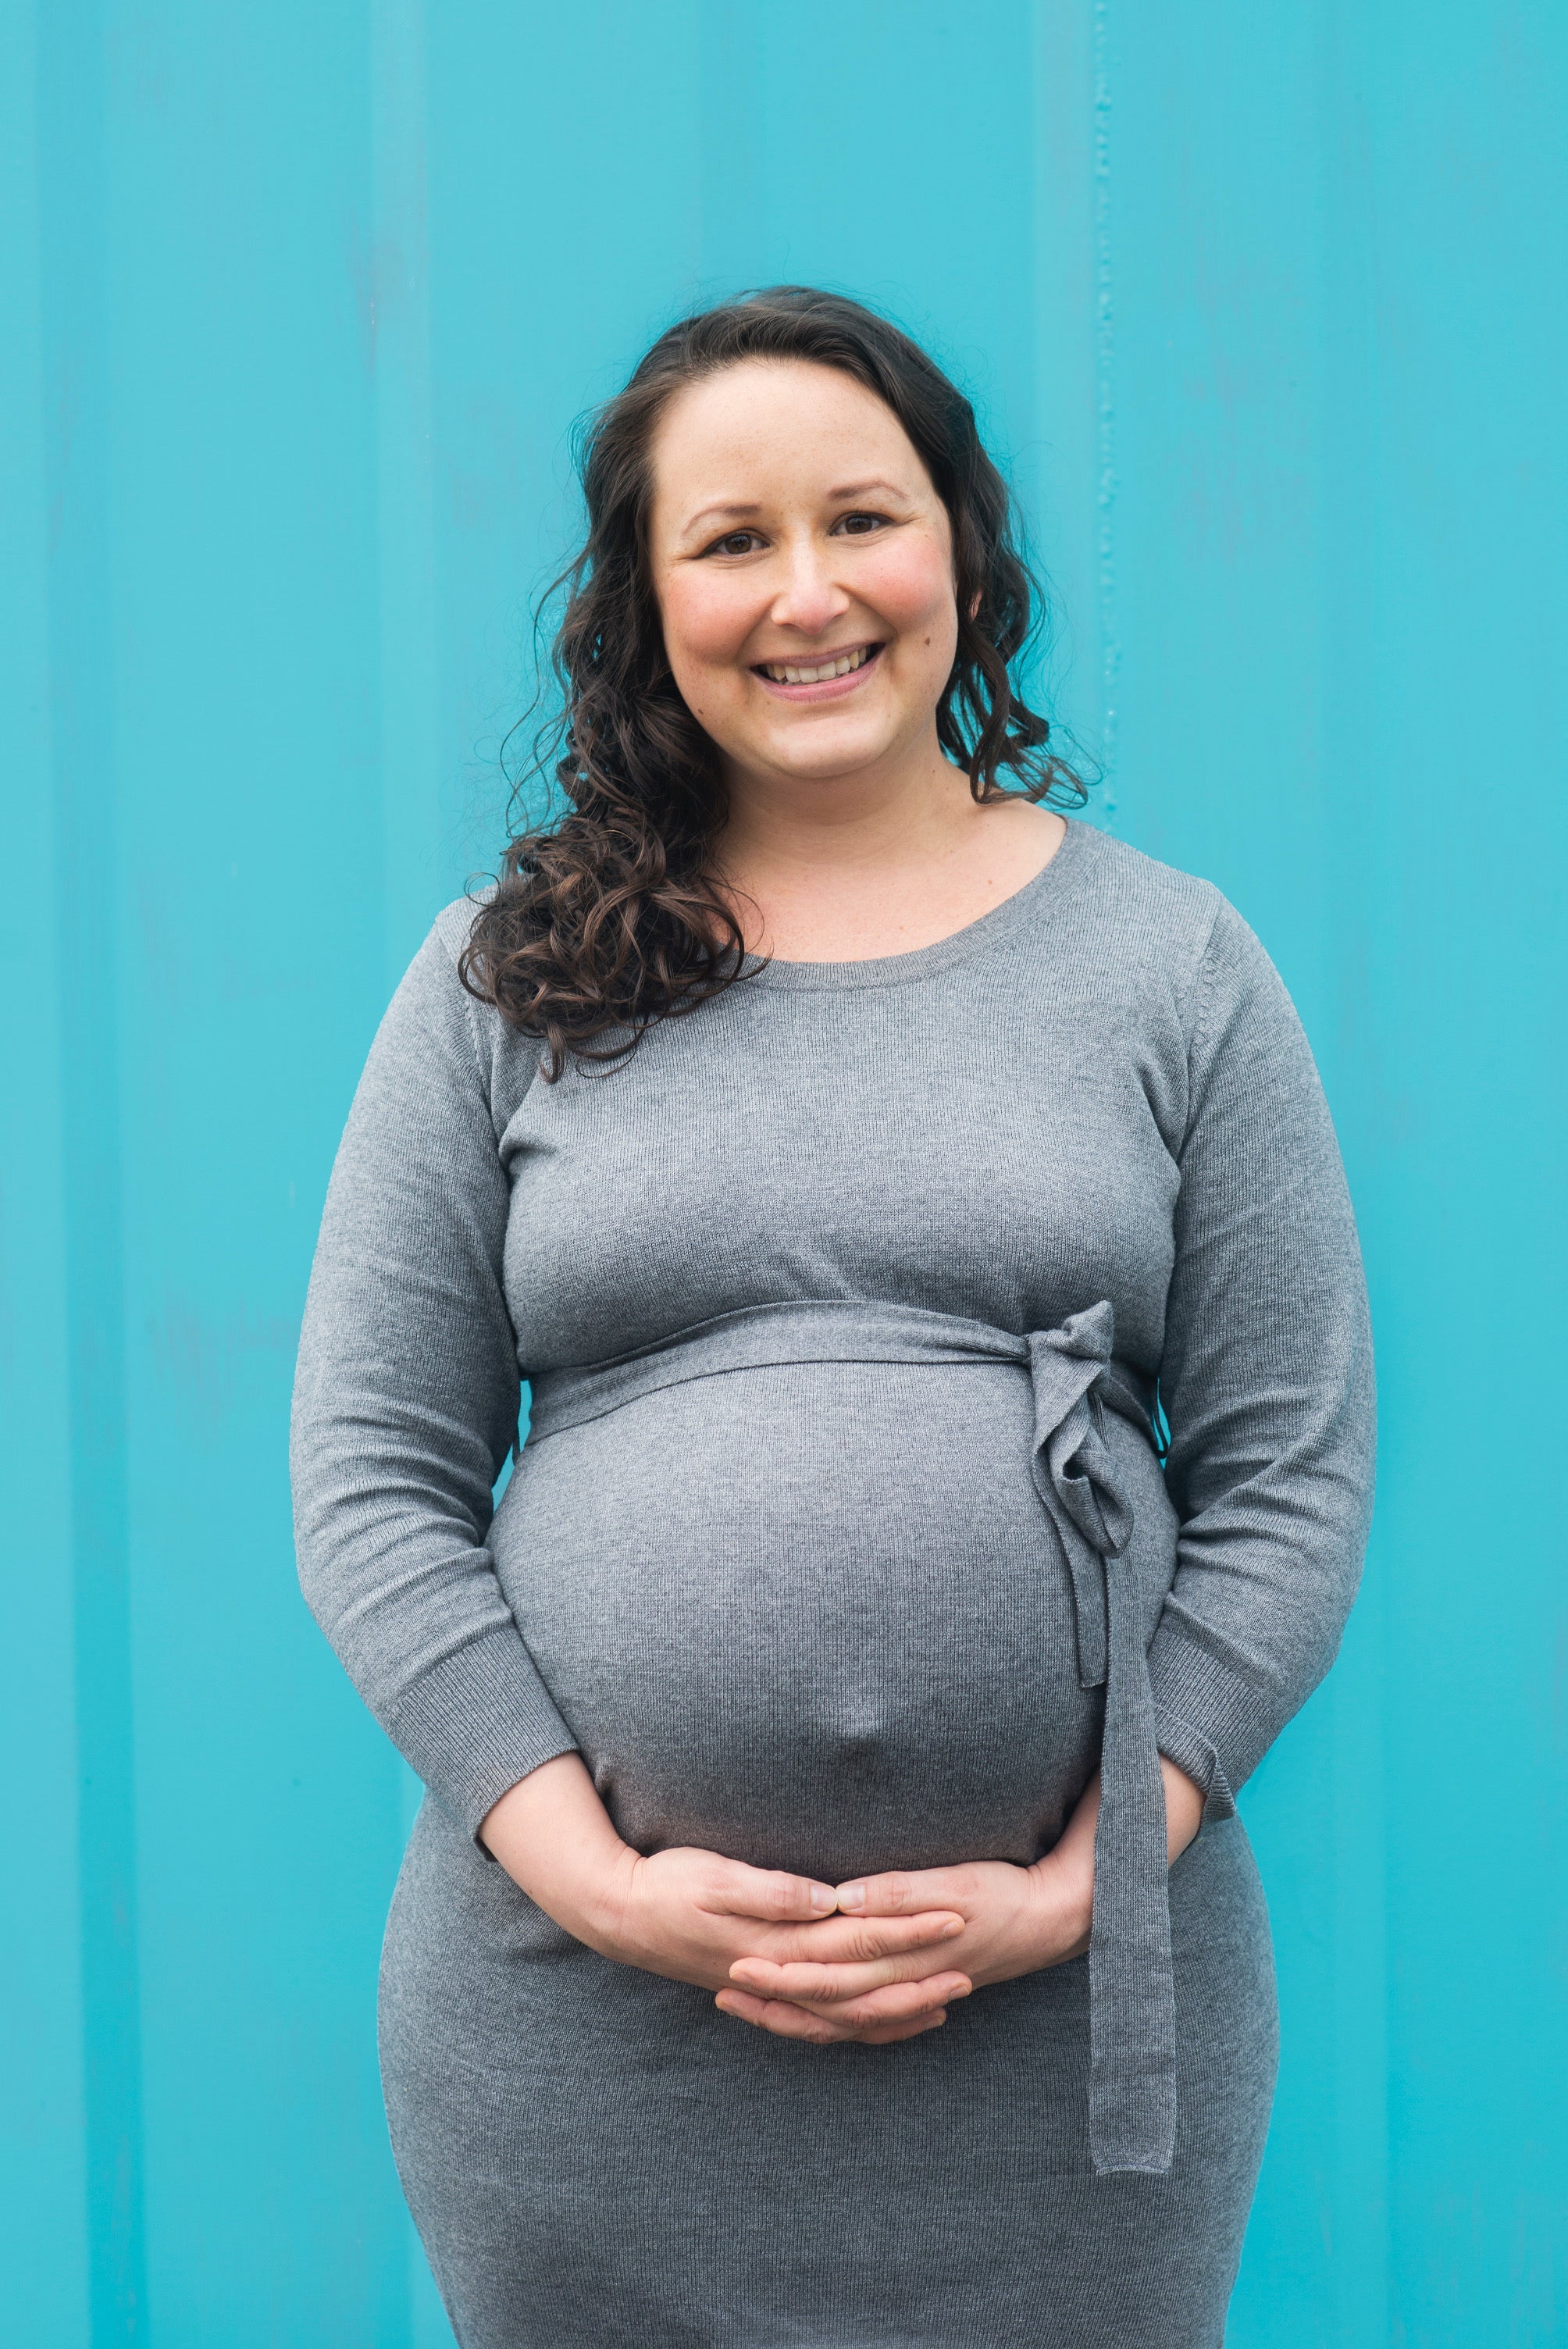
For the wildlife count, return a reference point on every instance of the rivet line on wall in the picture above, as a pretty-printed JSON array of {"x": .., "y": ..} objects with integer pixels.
[{"x": 1105, "y": 410}]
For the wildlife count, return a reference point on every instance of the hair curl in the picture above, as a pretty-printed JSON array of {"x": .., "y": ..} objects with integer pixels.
[{"x": 610, "y": 917}]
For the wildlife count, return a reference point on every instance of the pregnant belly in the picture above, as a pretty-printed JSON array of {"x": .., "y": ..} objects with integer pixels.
[{"x": 811, "y": 1615}]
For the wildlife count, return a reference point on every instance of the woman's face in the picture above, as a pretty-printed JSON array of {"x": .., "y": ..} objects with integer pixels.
[{"x": 803, "y": 566}]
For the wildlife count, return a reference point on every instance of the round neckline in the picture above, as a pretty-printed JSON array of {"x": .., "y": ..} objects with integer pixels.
[{"x": 924, "y": 962}]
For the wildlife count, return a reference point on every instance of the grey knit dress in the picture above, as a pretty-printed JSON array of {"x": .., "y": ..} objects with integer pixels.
[{"x": 847, "y": 1534}]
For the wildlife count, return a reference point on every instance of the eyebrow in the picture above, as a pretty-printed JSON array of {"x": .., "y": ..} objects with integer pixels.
[
  {"x": 712, "y": 513},
  {"x": 835, "y": 497},
  {"x": 865, "y": 489}
]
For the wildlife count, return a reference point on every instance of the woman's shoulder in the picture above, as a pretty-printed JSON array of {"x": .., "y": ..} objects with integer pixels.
[
  {"x": 451, "y": 930},
  {"x": 435, "y": 1000},
  {"x": 432, "y": 986},
  {"x": 1145, "y": 925},
  {"x": 1128, "y": 883},
  {"x": 1123, "y": 891}
]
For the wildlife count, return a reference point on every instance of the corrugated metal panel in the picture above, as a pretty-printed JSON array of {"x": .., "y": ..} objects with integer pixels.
[{"x": 299, "y": 304}]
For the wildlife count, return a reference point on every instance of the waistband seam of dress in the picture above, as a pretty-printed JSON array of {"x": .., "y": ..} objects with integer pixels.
[
  {"x": 918, "y": 1338},
  {"x": 953, "y": 1361}
]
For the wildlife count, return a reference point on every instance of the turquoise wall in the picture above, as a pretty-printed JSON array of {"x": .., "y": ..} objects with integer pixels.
[{"x": 1263, "y": 300}]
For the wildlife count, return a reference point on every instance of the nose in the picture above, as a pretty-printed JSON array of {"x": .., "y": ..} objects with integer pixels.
[{"x": 808, "y": 599}]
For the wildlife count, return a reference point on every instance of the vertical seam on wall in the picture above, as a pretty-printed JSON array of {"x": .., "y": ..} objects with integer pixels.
[
  {"x": 411, "y": 764},
  {"x": 412, "y": 835},
  {"x": 1105, "y": 407},
  {"x": 73, "y": 216}
]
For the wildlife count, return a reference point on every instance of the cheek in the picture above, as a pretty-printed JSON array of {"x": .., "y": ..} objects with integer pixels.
[
  {"x": 705, "y": 621},
  {"x": 911, "y": 584}
]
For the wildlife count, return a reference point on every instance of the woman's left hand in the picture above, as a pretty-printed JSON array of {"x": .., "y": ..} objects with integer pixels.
[{"x": 1016, "y": 1920}]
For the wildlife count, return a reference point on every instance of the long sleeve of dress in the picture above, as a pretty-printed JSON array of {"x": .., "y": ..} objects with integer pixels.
[
  {"x": 1266, "y": 1382},
  {"x": 406, "y": 1405}
]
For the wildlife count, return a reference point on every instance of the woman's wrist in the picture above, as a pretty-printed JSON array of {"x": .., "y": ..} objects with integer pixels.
[
  {"x": 1069, "y": 1866},
  {"x": 1065, "y": 1874},
  {"x": 1184, "y": 1806},
  {"x": 1065, "y": 1878},
  {"x": 555, "y": 1839}
]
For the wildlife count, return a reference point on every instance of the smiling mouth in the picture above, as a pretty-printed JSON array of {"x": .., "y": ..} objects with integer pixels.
[{"x": 817, "y": 672}]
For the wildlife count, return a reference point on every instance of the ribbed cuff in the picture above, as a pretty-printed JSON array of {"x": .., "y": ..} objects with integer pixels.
[
  {"x": 1210, "y": 1721},
  {"x": 1181, "y": 1743},
  {"x": 475, "y": 1723}
]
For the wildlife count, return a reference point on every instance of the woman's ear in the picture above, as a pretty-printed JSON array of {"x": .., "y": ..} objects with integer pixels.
[{"x": 975, "y": 605}]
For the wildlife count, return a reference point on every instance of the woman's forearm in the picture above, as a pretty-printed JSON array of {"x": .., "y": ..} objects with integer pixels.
[
  {"x": 555, "y": 1839},
  {"x": 1067, "y": 1871},
  {"x": 1183, "y": 1809}
]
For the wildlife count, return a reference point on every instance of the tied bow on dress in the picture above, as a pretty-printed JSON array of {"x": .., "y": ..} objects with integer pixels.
[{"x": 1132, "y": 1997}]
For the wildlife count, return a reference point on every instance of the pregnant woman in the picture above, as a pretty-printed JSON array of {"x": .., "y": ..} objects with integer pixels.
[{"x": 919, "y": 1224}]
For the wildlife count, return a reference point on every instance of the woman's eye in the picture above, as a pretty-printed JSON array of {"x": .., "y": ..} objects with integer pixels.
[
  {"x": 857, "y": 525},
  {"x": 736, "y": 542}
]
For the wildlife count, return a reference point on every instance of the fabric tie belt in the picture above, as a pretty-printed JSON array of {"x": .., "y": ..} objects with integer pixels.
[{"x": 1132, "y": 2008}]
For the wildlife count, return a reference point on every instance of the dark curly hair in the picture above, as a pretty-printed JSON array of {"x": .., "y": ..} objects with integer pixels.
[{"x": 609, "y": 916}]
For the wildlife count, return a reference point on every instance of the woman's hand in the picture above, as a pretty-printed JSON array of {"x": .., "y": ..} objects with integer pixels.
[
  {"x": 1015, "y": 1920},
  {"x": 692, "y": 1915},
  {"x": 698, "y": 1917}
]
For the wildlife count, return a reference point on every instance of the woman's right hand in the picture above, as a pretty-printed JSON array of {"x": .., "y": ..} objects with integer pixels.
[{"x": 690, "y": 1915}]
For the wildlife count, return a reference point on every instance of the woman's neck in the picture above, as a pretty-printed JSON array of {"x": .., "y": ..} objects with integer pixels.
[
  {"x": 848, "y": 868},
  {"x": 814, "y": 824}
]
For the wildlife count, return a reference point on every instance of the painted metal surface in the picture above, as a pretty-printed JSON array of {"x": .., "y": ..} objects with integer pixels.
[{"x": 1261, "y": 305}]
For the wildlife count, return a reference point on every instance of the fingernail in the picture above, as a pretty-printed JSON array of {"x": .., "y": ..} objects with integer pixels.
[
  {"x": 850, "y": 1896},
  {"x": 954, "y": 1925},
  {"x": 823, "y": 1897}
]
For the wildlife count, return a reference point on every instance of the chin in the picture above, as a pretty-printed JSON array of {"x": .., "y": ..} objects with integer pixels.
[{"x": 831, "y": 752}]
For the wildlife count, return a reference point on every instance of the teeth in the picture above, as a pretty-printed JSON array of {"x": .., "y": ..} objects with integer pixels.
[{"x": 792, "y": 673}]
